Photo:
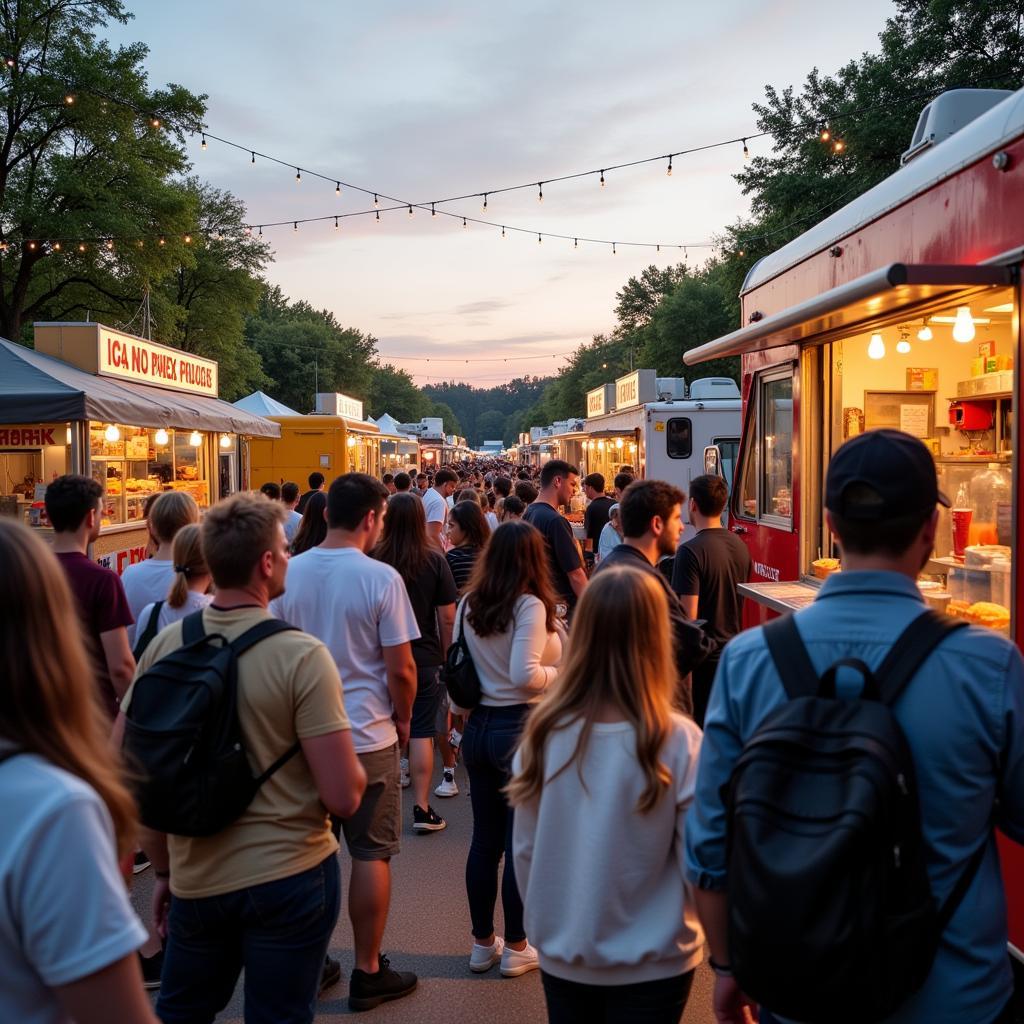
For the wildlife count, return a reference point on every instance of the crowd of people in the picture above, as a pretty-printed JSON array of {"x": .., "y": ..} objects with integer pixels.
[{"x": 616, "y": 696}]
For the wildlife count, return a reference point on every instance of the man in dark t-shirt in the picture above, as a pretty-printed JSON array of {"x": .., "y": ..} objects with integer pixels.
[
  {"x": 596, "y": 515},
  {"x": 558, "y": 482},
  {"x": 708, "y": 569},
  {"x": 316, "y": 483},
  {"x": 73, "y": 504}
]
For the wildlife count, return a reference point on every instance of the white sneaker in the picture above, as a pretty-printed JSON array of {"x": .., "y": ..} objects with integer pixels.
[
  {"x": 518, "y": 961},
  {"x": 448, "y": 786},
  {"x": 403, "y": 768},
  {"x": 483, "y": 958}
]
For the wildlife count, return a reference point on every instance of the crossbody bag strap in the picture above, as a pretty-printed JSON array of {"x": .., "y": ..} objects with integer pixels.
[{"x": 792, "y": 662}]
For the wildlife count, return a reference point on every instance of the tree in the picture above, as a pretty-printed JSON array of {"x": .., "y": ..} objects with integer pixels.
[
  {"x": 393, "y": 391},
  {"x": 490, "y": 425},
  {"x": 87, "y": 151},
  {"x": 638, "y": 298}
]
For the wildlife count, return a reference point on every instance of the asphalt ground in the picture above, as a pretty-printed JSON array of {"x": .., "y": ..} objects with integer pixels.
[{"x": 428, "y": 932}]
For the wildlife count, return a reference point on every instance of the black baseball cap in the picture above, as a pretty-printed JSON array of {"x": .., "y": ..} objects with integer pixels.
[{"x": 896, "y": 466}]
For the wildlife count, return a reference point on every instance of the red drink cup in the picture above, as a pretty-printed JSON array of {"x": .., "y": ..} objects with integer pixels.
[{"x": 961, "y": 530}]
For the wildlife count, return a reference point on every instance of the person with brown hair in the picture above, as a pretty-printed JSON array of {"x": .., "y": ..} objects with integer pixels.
[
  {"x": 68, "y": 935},
  {"x": 263, "y": 893},
  {"x": 428, "y": 581},
  {"x": 508, "y": 618},
  {"x": 313, "y": 528},
  {"x": 605, "y": 754},
  {"x": 188, "y": 592},
  {"x": 149, "y": 580},
  {"x": 468, "y": 534}
]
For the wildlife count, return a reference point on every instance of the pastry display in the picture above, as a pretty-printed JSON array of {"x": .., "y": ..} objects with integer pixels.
[
  {"x": 824, "y": 567},
  {"x": 981, "y": 613}
]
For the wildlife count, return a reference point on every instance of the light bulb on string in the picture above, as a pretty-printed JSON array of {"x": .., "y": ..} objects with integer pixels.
[
  {"x": 298, "y": 175},
  {"x": 539, "y": 239},
  {"x": 81, "y": 247},
  {"x": 925, "y": 334},
  {"x": 188, "y": 239},
  {"x": 337, "y": 188},
  {"x": 824, "y": 134},
  {"x": 669, "y": 171},
  {"x": 876, "y": 348},
  {"x": 295, "y": 225},
  {"x": 903, "y": 345},
  {"x": 540, "y": 192},
  {"x": 410, "y": 209},
  {"x": 378, "y": 216},
  {"x": 163, "y": 241},
  {"x": 433, "y": 212},
  {"x": 375, "y": 201},
  {"x": 195, "y": 439},
  {"x": 56, "y": 246},
  {"x": 161, "y": 437},
  {"x": 485, "y": 203},
  {"x": 261, "y": 231},
  {"x": 657, "y": 248},
  {"x": 112, "y": 434},
  {"x": 464, "y": 224},
  {"x": 838, "y": 146},
  {"x": 963, "y": 326},
  {"x": 202, "y": 145},
  {"x": 602, "y": 178},
  {"x": 614, "y": 251},
  {"x": 336, "y": 224},
  {"x": 69, "y": 100},
  {"x": 225, "y": 441},
  {"x": 502, "y": 230},
  {"x": 253, "y": 157},
  {"x": 575, "y": 243},
  {"x": 746, "y": 152}
]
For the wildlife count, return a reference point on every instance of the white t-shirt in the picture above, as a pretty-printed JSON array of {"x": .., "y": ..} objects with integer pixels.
[
  {"x": 291, "y": 524},
  {"x": 194, "y": 602},
  {"x": 144, "y": 583},
  {"x": 492, "y": 520},
  {"x": 435, "y": 507},
  {"x": 357, "y": 606},
  {"x": 64, "y": 910}
]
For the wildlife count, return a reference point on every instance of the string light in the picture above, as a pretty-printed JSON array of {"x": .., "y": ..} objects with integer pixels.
[
  {"x": 669, "y": 171},
  {"x": 824, "y": 134},
  {"x": 433, "y": 212},
  {"x": 337, "y": 188},
  {"x": 298, "y": 175},
  {"x": 253, "y": 156},
  {"x": 539, "y": 238},
  {"x": 155, "y": 122},
  {"x": 838, "y": 146},
  {"x": 575, "y": 243},
  {"x": 188, "y": 239},
  {"x": 336, "y": 224},
  {"x": 540, "y": 192},
  {"x": 202, "y": 145},
  {"x": 378, "y": 216},
  {"x": 484, "y": 207},
  {"x": 502, "y": 230},
  {"x": 375, "y": 202},
  {"x": 56, "y": 246},
  {"x": 295, "y": 225},
  {"x": 410, "y": 209},
  {"x": 69, "y": 99},
  {"x": 614, "y": 250},
  {"x": 602, "y": 178},
  {"x": 464, "y": 224},
  {"x": 81, "y": 247},
  {"x": 746, "y": 152}
]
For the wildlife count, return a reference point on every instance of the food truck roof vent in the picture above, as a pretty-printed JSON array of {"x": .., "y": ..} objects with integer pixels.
[
  {"x": 713, "y": 387},
  {"x": 947, "y": 114}
]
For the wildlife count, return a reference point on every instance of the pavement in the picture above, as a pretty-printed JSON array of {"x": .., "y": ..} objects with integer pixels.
[{"x": 428, "y": 932}]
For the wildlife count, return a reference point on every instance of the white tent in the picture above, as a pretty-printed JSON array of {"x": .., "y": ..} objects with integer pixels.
[
  {"x": 388, "y": 424},
  {"x": 263, "y": 405}
]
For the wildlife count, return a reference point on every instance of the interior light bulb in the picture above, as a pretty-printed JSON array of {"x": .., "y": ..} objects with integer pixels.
[
  {"x": 876, "y": 349},
  {"x": 963, "y": 327},
  {"x": 351, "y": 442},
  {"x": 225, "y": 441},
  {"x": 925, "y": 334},
  {"x": 112, "y": 434},
  {"x": 903, "y": 346},
  {"x": 195, "y": 439},
  {"x": 161, "y": 437}
]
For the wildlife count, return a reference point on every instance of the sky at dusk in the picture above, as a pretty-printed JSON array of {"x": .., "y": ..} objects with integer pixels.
[{"x": 425, "y": 100}]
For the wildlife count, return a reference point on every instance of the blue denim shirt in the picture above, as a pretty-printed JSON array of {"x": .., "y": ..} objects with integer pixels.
[{"x": 963, "y": 715}]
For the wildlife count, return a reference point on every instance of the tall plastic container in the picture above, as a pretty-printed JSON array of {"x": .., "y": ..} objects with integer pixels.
[{"x": 992, "y": 498}]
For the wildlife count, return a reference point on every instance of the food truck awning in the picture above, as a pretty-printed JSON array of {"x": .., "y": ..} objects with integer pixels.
[
  {"x": 853, "y": 307},
  {"x": 38, "y": 388}
]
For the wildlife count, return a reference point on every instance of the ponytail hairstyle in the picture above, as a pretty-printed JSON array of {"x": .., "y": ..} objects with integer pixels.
[
  {"x": 619, "y": 655},
  {"x": 189, "y": 562}
]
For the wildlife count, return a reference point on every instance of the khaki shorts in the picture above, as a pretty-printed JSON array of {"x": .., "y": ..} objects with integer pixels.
[{"x": 373, "y": 832}]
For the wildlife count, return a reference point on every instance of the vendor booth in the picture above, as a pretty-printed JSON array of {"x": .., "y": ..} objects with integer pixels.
[{"x": 139, "y": 417}]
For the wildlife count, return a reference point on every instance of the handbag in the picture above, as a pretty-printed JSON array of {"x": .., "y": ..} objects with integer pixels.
[{"x": 458, "y": 672}]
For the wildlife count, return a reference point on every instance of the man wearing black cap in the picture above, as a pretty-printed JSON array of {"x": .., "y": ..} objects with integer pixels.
[{"x": 962, "y": 715}]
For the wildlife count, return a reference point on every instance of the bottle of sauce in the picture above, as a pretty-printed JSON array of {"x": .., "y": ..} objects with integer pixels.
[{"x": 961, "y": 515}]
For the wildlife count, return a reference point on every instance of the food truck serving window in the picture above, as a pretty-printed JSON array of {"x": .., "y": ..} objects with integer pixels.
[
  {"x": 679, "y": 438},
  {"x": 767, "y": 474}
]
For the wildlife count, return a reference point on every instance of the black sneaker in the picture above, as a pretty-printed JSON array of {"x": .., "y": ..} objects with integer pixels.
[
  {"x": 141, "y": 863},
  {"x": 427, "y": 820},
  {"x": 365, "y": 991},
  {"x": 152, "y": 968},
  {"x": 330, "y": 975}
]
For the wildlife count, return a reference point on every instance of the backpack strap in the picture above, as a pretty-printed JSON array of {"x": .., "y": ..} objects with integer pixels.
[
  {"x": 261, "y": 631},
  {"x": 911, "y": 650},
  {"x": 963, "y": 883},
  {"x": 792, "y": 662},
  {"x": 192, "y": 628},
  {"x": 145, "y": 638}
]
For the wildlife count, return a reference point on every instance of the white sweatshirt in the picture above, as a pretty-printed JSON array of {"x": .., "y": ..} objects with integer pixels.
[
  {"x": 517, "y": 666},
  {"x": 603, "y": 888}
]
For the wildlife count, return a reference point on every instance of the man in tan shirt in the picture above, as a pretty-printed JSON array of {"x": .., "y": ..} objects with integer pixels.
[{"x": 264, "y": 893}]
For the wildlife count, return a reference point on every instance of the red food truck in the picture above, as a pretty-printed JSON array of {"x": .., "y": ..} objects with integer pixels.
[{"x": 900, "y": 310}]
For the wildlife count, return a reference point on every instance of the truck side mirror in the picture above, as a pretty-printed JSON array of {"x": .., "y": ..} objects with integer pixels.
[{"x": 712, "y": 460}]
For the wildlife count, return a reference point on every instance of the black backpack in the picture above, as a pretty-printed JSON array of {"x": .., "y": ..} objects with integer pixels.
[
  {"x": 831, "y": 915},
  {"x": 458, "y": 672},
  {"x": 145, "y": 638},
  {"x": 183, "y": 738}
]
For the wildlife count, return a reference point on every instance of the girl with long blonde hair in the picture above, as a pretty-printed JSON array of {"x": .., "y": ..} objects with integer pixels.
[
  {"x": 602, "y": 781},
  {"x": 68, "y": 935}
]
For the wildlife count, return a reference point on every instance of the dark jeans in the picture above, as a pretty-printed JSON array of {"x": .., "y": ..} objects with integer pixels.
[
  {"x": 646, "y": 1002},
  {"x": 488, "y": 743},
  {"x": 277, "y": 931}
]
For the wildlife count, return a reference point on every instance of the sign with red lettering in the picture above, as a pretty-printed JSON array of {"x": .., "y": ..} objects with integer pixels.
[
  {"x": 120, "y": 560},
  {"x": 131, "y": 358},
  {"x": 33, "y": 435}
]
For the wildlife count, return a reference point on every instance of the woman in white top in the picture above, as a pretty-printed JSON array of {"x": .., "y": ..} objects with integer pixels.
[
  {"x": 150, "y": 579},
  {"x": 188, "y": 592},
  {"x": 604, "y": 778},
  {"x": 510, "y": 628},
  {"x": 68, "y": 935}
]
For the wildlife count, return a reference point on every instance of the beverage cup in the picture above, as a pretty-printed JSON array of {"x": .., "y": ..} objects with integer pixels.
[{"x": 961, "y": 518}]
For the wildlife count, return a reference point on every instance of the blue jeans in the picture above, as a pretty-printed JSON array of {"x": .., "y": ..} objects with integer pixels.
[
  {"x": 488, "y": 743},
  {"x": 277, "y": 931}
]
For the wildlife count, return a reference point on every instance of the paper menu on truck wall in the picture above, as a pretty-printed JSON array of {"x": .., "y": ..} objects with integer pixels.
[{"x": 914, "y": 420}]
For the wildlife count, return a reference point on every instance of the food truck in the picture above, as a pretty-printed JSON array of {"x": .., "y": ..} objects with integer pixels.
[
  {"x": 901, "y": 310},
  {"x": 660, "y": 427},
  {"x": 138, "y": 416},
  {"x": 334, "y": 439}
]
